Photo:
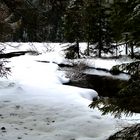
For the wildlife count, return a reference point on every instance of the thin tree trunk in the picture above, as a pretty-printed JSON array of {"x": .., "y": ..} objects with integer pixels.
[
  {"x": 126, "y": 46},
  {"x": 88, "y": 48},
  {"x": 100, "y": 32},
  {"x": 126, "y": 49},
  {"x": 116, "y": 49},
  {"x": 132, "y": 50},
  {"x": 100, "y": 50},
  {"x": 77, "y": 45}
]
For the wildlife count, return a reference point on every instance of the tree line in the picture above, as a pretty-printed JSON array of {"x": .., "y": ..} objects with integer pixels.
[{"x": 104, "y": 23}]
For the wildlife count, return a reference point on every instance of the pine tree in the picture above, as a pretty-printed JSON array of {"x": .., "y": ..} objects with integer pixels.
[
  {"x": 125, "y": 23},
  {"x": 97, "y": 25},
  {"x": 89, "y": 21},
  {"x": 134, "y": 21},
  {"x": 5, "y": 29},
  {"x": 73, "y": 21}
]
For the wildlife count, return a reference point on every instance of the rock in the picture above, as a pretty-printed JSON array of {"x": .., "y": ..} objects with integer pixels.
[{"x": 3, "y": 128}]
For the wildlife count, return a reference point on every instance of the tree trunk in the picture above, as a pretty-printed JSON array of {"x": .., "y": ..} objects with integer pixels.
[
  {"x": 126, "y": 49},
  {"x": 116, "y": 50},
  {"x": 126, "y": 46},
  {"x": 100, "y": 44},
  {"x": 77, "y": 46},
  {"x": 132, "y": 50},
  {"x": 88, "y": 48}
]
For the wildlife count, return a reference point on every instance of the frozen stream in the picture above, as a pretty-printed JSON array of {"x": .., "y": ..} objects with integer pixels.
[{"x": 35, "y": 105}]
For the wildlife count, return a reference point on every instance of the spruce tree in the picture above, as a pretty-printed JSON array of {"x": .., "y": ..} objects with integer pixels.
[
  {"x": 72, "y": 21},
  {"x": 97, "y": 25},
  {"x": 125, "y": 23}
]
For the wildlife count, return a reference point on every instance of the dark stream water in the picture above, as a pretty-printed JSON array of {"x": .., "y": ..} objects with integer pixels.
[{"x": 108, "y": 88}]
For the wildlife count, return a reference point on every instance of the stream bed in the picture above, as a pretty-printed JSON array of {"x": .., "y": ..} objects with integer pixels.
[{"x": 108, "y": 87}]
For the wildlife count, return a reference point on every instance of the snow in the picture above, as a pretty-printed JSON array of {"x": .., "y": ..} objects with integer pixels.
[
  {"x": 107, "y": 63},
  {"x": 35, "y": 105},
  {"x": 50, "y": 113},
  {"x": 102, "y": 73}
]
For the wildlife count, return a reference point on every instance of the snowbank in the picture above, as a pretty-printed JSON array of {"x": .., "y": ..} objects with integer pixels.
[{"x": 35, "y": 105}]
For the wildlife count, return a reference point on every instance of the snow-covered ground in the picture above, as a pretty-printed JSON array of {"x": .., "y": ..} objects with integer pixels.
[{"x": 35, "y": 105}]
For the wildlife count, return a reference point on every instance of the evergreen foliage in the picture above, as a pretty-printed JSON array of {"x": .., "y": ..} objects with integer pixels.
[
  {"x": 132, "y": 68},
  {"x": 98, "y": 22},
  {"x": 133, "y": 89},
  {"x": 73, "y": 21},
  {"x": 5, "y": 30}
]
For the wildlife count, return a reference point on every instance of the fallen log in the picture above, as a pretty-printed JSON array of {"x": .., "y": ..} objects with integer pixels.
[{"x": 13, "y": 54}]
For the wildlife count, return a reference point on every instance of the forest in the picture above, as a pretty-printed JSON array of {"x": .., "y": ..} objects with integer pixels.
[
  {"x": 105, "y": 23},
  {"x": 67, "y": 66}
]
